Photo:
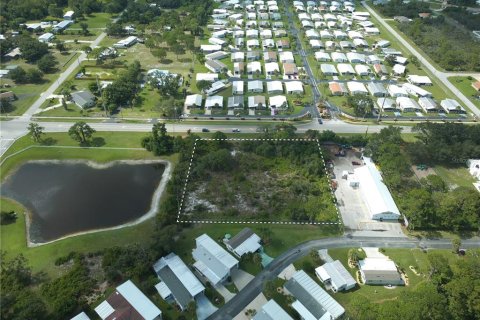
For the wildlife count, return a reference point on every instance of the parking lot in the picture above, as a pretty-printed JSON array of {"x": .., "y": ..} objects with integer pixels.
[{"x": 353, "y": 209}]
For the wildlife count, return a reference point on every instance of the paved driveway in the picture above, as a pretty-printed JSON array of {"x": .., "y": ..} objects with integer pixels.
[
  {"x": 204, "y": 307},
  {"x": 241, "y": 278},
  {"x": 226, "y": 294}
]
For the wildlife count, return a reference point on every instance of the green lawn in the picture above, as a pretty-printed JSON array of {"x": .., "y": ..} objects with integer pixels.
[
  {"x": 455, "y": 176},
  {"x": 42, "y": 258},
  {"x": 465, "y": 86},
  {"x": 377, "y": 294},
  {"x": 94, "y": 20}
]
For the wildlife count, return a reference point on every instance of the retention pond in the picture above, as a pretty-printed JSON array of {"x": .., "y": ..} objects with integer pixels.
[{"x": 71, "y": 197}]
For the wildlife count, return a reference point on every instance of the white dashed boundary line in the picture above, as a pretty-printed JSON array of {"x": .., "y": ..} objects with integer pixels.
[{"x": 180, "y": 208}]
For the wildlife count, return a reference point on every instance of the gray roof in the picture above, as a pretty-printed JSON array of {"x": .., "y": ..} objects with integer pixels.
[
  {"x": 375, "y": 87},
  {"x": 312, "y": 296},
  {"x": 272, "y": 311},
  {"x": 338, "y": 274},
  {"x": 83, "y": 98},
  {"x": 385, "y": 275},
  {"x": 235, "y": 101},
  {"x": 240, "y": 238},
  {"x": 178, "y": 278}
]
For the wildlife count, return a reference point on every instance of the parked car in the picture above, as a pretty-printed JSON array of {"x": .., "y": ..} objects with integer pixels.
[
  {"x": 235, "y": 130},
  {"x": 205, "y": 130},
  {"x": 356, "y": 163}
]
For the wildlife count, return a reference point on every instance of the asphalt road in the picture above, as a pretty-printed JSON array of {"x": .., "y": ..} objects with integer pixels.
[
  {"x": 442, "y": 76},
  {"x": 255, "y": 287}
]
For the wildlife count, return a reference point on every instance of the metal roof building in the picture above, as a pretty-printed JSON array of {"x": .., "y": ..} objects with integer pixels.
[
  {"x": 380, "y": 271},
  {"x": 129, "y": 301},
  {"x": 177, "y": 279},
  {"x": 313, "y": 303},
  {"x": 271, "y": 311},
  {"x": 214, "y": 262},
  {"x": 81, "y": 316},
  {"x": 334, "y": 275},
  {"x": 375, "y": 193}
]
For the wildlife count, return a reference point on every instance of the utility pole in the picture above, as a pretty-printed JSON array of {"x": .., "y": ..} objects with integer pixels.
[{"x": 103, "y": 97}]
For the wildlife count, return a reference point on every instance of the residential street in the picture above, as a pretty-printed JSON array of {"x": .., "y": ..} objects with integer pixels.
[{"x": 243, "y": 298}]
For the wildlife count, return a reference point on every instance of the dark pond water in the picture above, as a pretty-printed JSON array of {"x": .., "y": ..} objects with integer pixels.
[{"x": 70, "y": 197}]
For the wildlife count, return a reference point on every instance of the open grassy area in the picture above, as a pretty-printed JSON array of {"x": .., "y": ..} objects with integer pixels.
[
  {"x": 42, "y": 258},
  {"x": 94, "y": 20},
  {"x": 464, "y": 84},
  {"x": 455, "y": 176}
]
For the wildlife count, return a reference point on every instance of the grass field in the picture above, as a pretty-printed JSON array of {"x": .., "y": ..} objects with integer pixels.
[
  {"x": 94, "y": 20},
  {"x": 42, "y": 258},
  {"x": 465, "y": 86},
  {"x": 455, "y": 176}
]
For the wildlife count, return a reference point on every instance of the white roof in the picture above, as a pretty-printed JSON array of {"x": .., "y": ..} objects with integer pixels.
[
  {"x": 271, "y": 67},
  {"x": 312, "y": 33},
  {"x": 139, "y": 301},
  {"x": 322, "y": 55},
  {"x": 399, "y": 69},
  {"x": 274, "y": 86},
  {"x": 375, "y": 193},
  {"x": 286, "y": 56},
  {"x": 328, "y": 68},
  {"x": 294, "y": 86},
  {"x": 386, "y": 103},
  {"x": 377, "y": 264},
  {"x": 407, "y": 103},
  {"x": 353, "y": 56},
  {"x": 419, "y": 79},
  {"x": 339, "y": 56},
  {"x": 214, "y": 100},
  {"x": 361, "y": 68},
  {"x": 46, "y": 36},
  {"x": 253, "y": 242},
  {"x": 356, "y": 87},
  {"x": 193, "y": 99},
  {"x": 427, "y": 104},
  {"x": 416, "y": 90},
  {"x": 211, "y": 255},
  {"x": 337, "y": 274},
  {"x": 210, "y": 47},
  {"x": 238, "y": 85},
  {"x": 345, "y": 68},
  {"x": 451, "y": 105},
  {"x": 396, "y": 91},
  {"x": 255, "y": 84},
  {"x": 104, "y": 309},
  {"x": 81, "y": 316},
  {"x": 163, "y": 290},
  {"x": 69, "y": 13},
  {"x": 207, "y": 76},
  {"x": 272, "y": 311}
]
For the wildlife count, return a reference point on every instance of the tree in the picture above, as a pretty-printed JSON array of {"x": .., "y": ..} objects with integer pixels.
[
  {"x": 353, "y": 256},
  {"x": 158, "y": 142},
  {"x": 47, "y": 63},
  {"x": 160, "y": 53},
  {"x": 7, "y": 217},
  {"x": 362, "y": 105},
  {"x": 60, "y": 46},
  {"x": 456, "y": 243},
  {"x": 6, "y": 105},
  {"x": 81, "y": 132},
  {"x": 84, "y": 27},
  {"x": 18, "y": 75},
  {"x": 178, "y": 49},
  {"x": 203, "y": 85},
  {"x": 390, "y": 60},
  {"x": 34, "y": 75},
  {"x": 35, "y": 131},
  {"x": 168, "y": 85},
  {"x": 32, "y": 49}
]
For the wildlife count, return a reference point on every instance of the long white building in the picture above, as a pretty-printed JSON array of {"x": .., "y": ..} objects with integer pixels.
[{"x": 375, "y": 193}]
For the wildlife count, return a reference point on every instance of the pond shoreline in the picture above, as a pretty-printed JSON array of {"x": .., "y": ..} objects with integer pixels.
[{"x": 154, "y": 205}]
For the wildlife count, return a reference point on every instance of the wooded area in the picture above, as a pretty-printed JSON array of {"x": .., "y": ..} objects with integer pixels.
[{"x": 429, "y": 203}]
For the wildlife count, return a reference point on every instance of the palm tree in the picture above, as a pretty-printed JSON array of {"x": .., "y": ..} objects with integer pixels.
[{"x": 35, "y": 131}]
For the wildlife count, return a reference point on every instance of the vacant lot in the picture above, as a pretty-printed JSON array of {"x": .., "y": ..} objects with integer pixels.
[{"x": 258, "y": 180}]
